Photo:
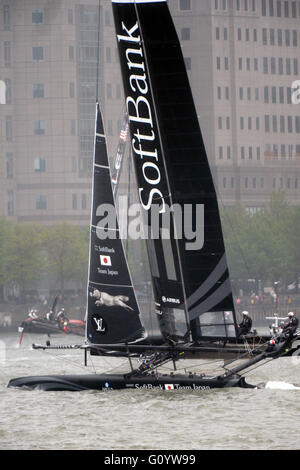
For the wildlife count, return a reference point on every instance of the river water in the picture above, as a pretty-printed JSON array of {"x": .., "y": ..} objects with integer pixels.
[{"x": 141, "y": 419}]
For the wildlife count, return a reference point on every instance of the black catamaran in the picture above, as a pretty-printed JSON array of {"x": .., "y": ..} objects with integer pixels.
[{"x": 193, "y": 302}]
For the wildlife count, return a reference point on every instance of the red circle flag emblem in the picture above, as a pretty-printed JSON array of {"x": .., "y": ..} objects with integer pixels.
[{"x": 105, "y": 260}]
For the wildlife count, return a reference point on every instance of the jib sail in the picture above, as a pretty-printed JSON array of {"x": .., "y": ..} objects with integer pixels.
[
  {"x": 113, "y": 312},
  {"x": 190, "y": 275}
]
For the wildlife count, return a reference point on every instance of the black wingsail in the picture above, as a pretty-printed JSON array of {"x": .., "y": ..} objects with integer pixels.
[
  {"x": 113, "y": 312},
  {"x": 190, "y": 275}
]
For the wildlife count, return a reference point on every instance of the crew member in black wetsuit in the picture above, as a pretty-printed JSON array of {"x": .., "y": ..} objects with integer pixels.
[
  {"x": 291, "y": 325},
  {"x": 246, "y": 324}
]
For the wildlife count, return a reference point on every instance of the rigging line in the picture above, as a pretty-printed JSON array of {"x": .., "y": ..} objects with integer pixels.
[{"x": 98, "y": 55}]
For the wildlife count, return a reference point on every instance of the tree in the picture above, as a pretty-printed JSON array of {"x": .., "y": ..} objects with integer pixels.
[
  {"x": 22, "y": 258},
  {"x": 67, "y": 253}
]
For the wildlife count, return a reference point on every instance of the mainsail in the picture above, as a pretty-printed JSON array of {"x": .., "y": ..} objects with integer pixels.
[
  {"x": 113, "y": 312},
  {"x": 190, "y": 275}
]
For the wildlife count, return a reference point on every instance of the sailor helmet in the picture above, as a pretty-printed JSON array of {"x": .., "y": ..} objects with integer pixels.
[
  {"x": 245, "y": 312},
  {"x": 291, "y": 314}
]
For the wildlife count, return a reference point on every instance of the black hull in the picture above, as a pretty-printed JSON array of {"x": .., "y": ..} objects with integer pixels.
[{"x": 75, "y": 383}]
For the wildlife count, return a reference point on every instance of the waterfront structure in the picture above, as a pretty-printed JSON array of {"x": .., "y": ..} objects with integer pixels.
[{"x": 242, "y": 62}]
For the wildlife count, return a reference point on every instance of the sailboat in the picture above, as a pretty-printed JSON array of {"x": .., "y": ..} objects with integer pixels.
[{"x": 193, "y": 302}]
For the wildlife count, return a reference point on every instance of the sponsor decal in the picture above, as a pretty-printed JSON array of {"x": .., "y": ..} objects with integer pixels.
[
  {"x": 105, "y": 260},
  {"x": 169, "y": 386},
  {"x": 98, "y": 324},
  {"x": 170, "y": 299}
]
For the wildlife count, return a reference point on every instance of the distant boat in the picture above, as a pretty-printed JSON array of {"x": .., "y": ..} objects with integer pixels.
[
  {"x": 51, "y": 323},
  {"x": 193, "y": 307}
]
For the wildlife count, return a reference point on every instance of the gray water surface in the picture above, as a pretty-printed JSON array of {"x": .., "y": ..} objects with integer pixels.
[{"x": 141, "y": 419}]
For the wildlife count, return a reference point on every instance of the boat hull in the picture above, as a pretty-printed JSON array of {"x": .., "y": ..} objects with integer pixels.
[
  {"x": 40, "y": 326},
  {"x": 119, "y": 381}
]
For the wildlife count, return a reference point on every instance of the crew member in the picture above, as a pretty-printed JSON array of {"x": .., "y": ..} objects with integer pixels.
[
  {"x": 291, "y": 325},
  {"x": 246, "y": 324}
]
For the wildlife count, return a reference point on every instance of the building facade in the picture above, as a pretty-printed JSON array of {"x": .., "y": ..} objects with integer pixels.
[{"x": 58, "y": 56}]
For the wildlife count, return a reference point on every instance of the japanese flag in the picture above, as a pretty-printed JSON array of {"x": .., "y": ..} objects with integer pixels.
[
  {"x": 169, "y": 386},
  {"x": 105, "y": 260}
]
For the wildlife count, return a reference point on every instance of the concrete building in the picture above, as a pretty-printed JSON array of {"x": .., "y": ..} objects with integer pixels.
[{"x": 242, "y": 60}]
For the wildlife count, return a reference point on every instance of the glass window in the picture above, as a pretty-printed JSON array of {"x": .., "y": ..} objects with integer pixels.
[
  {"x": 39, "y": 164},
  {"x": 282, "y": 124},
  {"x": 8, "y": 92},
  {"x": 107, "y": 18},
  {"x": 39, "y": 127},
  {"x": 296, "y": 68},
  {"x": 10, "y": 202},
  {"x": 37, "y": 53},
  {"x": 71, "y": 53},
  {"x": 271, "y": 7},
  {"x": 266, "y": 94},
  {"x": 265, "y": 65},
  {"x": 188, "y": 63},
  {"x": 37, "y": 17},
  {"x": 279, "y": 37},
  {"x": 7, "y": 54},
  {"x": 274, "y": 94},
  {"x": 287, "y": 37},
  {"x": 267, "y": 123},
  {"x": 185, "y": 34},
  {"x": 70, "y": 16},
  {"x": 265, "y": 36},
  {"x": 258, "y": 153},
  {"x": 9, "y": 165},
  {"x": 279, "y": 8},
  {"x": 295, "y": 38},
  {"x": 38, "y": 90},
  {"x": 6, "y": 17},
  {"x": 273, "y": 65},
  {"x": 286, "y": 9},
  {"x": 72, "y": 89},
  {"x": 263, "y": 7},
  {"x": 217, "y": 34},
  {"x": 74, "y": 201},
  {"x": 281, "y": 95},
  {"x": 184, "y": 4},
  {"x": 41, "y": 202},
  {"x": 8, "y": 128},
  {"x": 294, "y": 10}
]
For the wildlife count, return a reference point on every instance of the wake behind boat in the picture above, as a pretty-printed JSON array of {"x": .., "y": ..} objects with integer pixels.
[{"x": 193, "y": 309}]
